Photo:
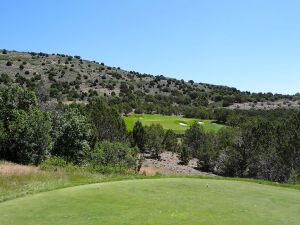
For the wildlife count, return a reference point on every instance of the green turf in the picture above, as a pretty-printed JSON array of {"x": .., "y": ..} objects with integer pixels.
[
  {"x": 169, "y": 122},
  {"x": 181, "y": 201},
  {"x": 20, "y": 184}
]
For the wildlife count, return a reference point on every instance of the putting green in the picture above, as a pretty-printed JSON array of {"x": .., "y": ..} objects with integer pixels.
[
  {"x": 182, "y": 201},
  {"x": 176, "y": 123}
]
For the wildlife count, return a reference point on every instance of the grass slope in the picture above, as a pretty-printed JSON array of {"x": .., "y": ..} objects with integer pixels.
[
  {"x": 169, "y": 122},
  {"x": 158, "y": 201},
  {"x": 18, "y": 180}
]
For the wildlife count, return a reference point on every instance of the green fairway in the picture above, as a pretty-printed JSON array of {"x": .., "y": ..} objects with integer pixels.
[
  {"x": 181, "y": 201},
  {"x": 177, "y": 123}
]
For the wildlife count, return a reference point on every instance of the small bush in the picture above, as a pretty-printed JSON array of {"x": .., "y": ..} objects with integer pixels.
[
  {"x": 4, "y": 78},
  {"x": 110, "y": 157},
  {"x": 55, "y": 163},
  {"x": 184, "y": 155},
  {"x": 9, "y": 63}
]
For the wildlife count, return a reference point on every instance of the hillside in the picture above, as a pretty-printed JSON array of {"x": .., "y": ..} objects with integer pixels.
[{"x": 68, "y": 78}]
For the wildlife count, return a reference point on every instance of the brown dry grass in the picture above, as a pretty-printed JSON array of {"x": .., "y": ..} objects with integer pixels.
[
  {"x": 10, "y": 169},
  {"x": 149, "y": 171},
  {"x": 20, "y": 180}
]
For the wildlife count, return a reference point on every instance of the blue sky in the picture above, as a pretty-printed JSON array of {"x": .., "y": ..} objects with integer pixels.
[{"x": 249, "y": 44}]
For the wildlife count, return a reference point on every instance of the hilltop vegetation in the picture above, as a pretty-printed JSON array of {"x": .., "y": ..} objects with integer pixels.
[{"x": 68, "y": 78}]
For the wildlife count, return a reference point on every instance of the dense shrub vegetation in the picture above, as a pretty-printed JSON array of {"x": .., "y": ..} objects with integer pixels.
[
  {"x": 261, "y": 149},
  {"x": 112, "y": 157},
  {"x": 258, "y": 144},
  {"x": 77, "y": 134}
]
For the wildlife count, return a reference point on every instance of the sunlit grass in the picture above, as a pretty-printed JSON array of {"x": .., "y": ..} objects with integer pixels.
[
  {"x": 176, "y": 123},
  {"x": 158, "y": 201}
]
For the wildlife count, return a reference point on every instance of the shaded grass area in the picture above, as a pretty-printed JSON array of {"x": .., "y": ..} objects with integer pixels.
[
  {"x": 158, "y": 201},
  {"x": 176, "y": 123}
]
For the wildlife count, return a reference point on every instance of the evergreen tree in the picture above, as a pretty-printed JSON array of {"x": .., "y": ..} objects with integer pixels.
[
  {"x": 107, "y": 121},
  {"x": 184, "y": 155},
  {"x": 194, "y": 139},
  {"x": 154, "y": 139},
  {"x": 208, "y": 155},
  {"x": 170, "y": 141},
  {"x": 138, "y": 134}
]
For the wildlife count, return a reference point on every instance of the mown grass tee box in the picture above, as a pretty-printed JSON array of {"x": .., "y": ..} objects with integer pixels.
[{"x": 172, "y": 201}]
